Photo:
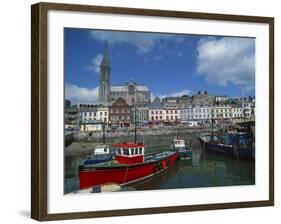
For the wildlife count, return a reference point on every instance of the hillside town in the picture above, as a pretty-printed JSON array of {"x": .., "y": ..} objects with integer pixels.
[{"x": 130, "y": 104}]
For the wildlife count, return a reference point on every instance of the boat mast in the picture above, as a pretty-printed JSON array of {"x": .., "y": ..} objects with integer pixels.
[
  {"x": 212, "y": 124},
  {"x": 103, "y": 132},
  {"x": 134, "y": 120}
]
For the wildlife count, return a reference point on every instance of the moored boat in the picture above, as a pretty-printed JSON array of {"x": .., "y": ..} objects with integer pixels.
[
  {"x": 129, "y": 166},
  {"x": 185, "y": 152},
  {"x": 101, "y": 154},
  {"x": 238, "y": 144}
]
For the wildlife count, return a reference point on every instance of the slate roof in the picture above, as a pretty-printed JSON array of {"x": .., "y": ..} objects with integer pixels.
[{"x": 156, "y": 104}]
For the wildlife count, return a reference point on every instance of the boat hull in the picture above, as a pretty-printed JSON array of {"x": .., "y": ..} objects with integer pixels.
[
  {"x": 247, "y": 153},
  {"x": 124, "y": 174},
  {"x": 185, "y": 155}
]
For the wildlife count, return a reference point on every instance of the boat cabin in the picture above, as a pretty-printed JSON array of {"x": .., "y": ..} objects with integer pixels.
[
  {"x": 101, "y": 154},
  {"x": 178, "y": 144},
  {"x": 129, "y": 153},
  {"x": 101, "y": 149}
]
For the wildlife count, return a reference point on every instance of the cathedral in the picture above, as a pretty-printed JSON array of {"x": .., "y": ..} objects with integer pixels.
[{"x": 131, "y": 92}]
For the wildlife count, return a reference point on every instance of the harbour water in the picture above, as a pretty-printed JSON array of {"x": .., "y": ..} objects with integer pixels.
[{"x": 206, "y": 169}]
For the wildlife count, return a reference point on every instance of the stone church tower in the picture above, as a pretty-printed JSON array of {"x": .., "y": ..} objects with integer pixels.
[{"x": 104, "y": 85}]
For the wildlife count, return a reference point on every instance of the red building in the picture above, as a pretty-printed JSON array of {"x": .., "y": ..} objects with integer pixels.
[{"x": 120, "y": 113}]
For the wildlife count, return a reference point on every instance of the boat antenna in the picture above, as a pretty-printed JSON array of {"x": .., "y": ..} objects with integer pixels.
[{"x": 134, "y": 114}]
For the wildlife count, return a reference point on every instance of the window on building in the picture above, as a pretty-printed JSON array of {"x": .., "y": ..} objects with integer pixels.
[
  {"x": 172, "y": 117},
  {"x": 100, "y": 113},
  {"x": 105, "y": 113},
  {"x": 167, "y": 117},
  {"x": 160, "y": 117},
  {"x": 152, "y": 118},
  {"x": 176, "y": 111},
  {"x": 156, "y": 117},
  {"x": 160, "y": 111},
  {"x": 167, "y": 112},
  {"x": 156, "y": 111},
  {"x": 152, "y": 112}
]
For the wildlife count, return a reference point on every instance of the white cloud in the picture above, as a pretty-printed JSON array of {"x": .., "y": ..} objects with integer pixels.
[
  {"x": 95, "y": 63},
  {"x": 227, "y": 60},
  {"x": 182, "y": 92},
  {"x": 144, "y": 42},
  {"x": 78, "y": 94},
  {"x": 174, "y": 94}
]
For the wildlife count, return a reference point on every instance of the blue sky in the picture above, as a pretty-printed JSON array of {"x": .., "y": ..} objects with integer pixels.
[{"x": 169, "y": 64}]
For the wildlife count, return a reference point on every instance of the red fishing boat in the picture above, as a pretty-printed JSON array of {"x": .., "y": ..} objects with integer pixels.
[{"x": 129, "y": 166}]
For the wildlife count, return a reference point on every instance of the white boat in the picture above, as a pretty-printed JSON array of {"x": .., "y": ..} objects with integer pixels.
[
  {"x": 101, "y": 154},
  {"x": 185, "y": 152}
]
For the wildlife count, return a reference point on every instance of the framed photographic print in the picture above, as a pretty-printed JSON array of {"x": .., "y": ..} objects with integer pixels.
[{"x": 139, "y": 111}]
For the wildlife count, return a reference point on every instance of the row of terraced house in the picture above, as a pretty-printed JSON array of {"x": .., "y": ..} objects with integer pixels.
[{"x": 201, "y": 107}]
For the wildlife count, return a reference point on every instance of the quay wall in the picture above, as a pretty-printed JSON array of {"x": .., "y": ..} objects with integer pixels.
[{"x": 156, "y": 139}]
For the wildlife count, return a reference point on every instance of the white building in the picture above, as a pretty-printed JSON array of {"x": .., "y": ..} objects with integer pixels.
[
  {"x": 171, "y": 108},
  {"x": 221, "y": 99},
  {"x": 222, "y": 112},
  {"x": 93, "y": 117},
  {"x": 202, "y": 112},
  {"x": 186, "y": 114},
  {"x": 172, "y": 115},
  {"x": 102, "y": 114},
  {"x": 237, "y": 113}
]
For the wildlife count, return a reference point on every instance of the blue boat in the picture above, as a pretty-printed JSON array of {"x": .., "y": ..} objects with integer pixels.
[
  {"x": 101, "y": 154},
  {"x": 237, "y": 144}
]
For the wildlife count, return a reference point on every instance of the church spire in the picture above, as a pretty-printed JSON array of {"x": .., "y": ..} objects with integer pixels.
[
  {"x": 104, "y": 85},
  {"x": 105, "y": 59}
]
